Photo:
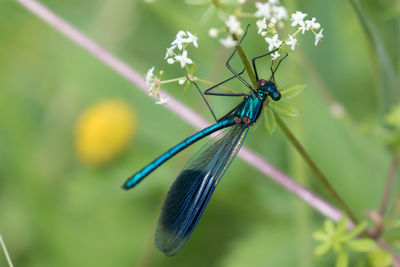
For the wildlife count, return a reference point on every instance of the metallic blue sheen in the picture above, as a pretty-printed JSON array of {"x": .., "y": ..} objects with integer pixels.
[
  {"x": 250, "y": 108},
  {"x": 191, "y": 191},
  {"x": 193, "y": 188},
  {"x": 140, "y": 175}
]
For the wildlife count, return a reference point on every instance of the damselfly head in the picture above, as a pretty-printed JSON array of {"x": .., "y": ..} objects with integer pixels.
[{"x": 268, "y": 88}]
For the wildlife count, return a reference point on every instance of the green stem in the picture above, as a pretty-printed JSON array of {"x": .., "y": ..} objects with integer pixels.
[
  {"x": 218, "y": 4},
  {"x": 295, "y": 142},
  {"x": 389, "y": 182},
  {"x": 314, "y": 167},
  {"x": 245, "y": 61},
  {"x": 172, "y": 80}
]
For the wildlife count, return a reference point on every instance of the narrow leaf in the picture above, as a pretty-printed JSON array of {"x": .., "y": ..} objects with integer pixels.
[
  {"x": 380, "y": 258},
  {"x": 269, "y": 120},
  {"x": 341, "y": 226},
  {"x": 207, "y": 15},
  {"x": 197, "y": 2},
  {"x": 342, "y": 260},
  {"x": 389, "y": 94},
  {"x": 322, "y": 248},
  {"x": 357, "y": 230},
  {"x": 362, "y": 244},
  {"x": 320, "y": 236},
  {"x": 395, "y": 224},
  {"x": 284, "y": 109},
  {"x": 292, "y": 91},
  {"x": 329, "y": 227}
]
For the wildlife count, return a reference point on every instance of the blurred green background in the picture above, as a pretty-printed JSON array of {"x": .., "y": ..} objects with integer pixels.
[{"x": 56, "y": 210}]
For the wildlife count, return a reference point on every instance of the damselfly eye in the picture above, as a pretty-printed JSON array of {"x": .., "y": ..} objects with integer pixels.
[
  {"x": 276, "y": 95},
  {"x": 262, "y": 83}
]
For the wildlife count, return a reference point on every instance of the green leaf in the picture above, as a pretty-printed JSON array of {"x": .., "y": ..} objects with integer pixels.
[
  {"x": 320, "y": 236},
  {"x": 389, "y": 94},
  {"x": 207, "y": 15},
  {"x": 337, "y": 245},
  {"x": 342, "y": 225},
  {"x": 393, "y": 118},
  {"x": 362, "y": 244},
  {"x": 329, "y": 227},
  {"x": 357, "y": 230},
  {"x": 342, "y": 260},
  {"x": 197, "y": 2},
  {"x": 395, "y": 224},
  {"x": 322, "y": 248},
  {"x": 380, "y": 258},
  {"x": 291, "y": 91},
  {"x": 269, "y": 120},
  {"x": 284, "y": 109}
]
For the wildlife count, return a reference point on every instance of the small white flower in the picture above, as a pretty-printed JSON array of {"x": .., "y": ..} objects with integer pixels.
[
  {"x": 311, "y": 23},
  {"x": 303, "y": 28},
  {"x": 292, "y": 42},
  {"x": 170, "y": 61},
  {"x": 161, "y": 101},
  {"x": 150, "y": 79},
  {"x": 318, "y": 37},
  {"x": 233, "y": 24},
  {"x": 228, "y": 42},
  {"x": 273, "y": 42},
  {"x": 213, "y": 32},
  {"x": 170, "y": 52},
  {"x": 297, "y": 18},
  {"x": 192, "y": 39},
  {"x": 261, "y": 25},
  {"x": 181, "y": 81},
  {"x": 274, "y": 2},
  {"x": 279, "y": 12},
  {"x": 179, "y": 40},
  {"x": 183, "y": 59},
  {"x": 263, "y": 10},
  {"x": 317, "y": 26},
  {"x": 275, "y": 55}
]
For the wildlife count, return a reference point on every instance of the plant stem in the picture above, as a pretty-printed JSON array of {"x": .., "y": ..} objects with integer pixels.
[
  {"x": 172, "y": 80},
  {"x": 295, "y": 142},
  {"x": 245, "y": 62},
  {"x": 218, "y": 4},
  {"x": 314, "y": 167},
  {"x": 389, "y": 182},
  {"x": 6, "y": 252}
]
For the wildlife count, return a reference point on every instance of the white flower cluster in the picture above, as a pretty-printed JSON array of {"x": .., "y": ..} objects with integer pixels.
[
  {"x": 153, "y": 85},
  {"x": 182, "y": 40},
  {"x": 271, "y": 16},
  {"x": 176, "y": 53},
  {"x": 266, "y": 10},
  {"x": 307, "y": 25}
]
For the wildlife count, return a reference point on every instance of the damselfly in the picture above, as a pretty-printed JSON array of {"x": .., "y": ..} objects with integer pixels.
[{"x": 192, "y": 189}]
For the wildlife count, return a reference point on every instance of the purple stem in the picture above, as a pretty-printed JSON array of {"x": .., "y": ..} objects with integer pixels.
[{"x": 177, "y": 107}]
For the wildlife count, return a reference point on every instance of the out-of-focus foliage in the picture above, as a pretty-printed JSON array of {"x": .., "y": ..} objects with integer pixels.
[
  {"x": 341, "y": 242},
  {"x": 56, "y": 211}
]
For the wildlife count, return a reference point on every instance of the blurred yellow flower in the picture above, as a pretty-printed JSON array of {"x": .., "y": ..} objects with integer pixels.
[{"x": 104, "y": 130}]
